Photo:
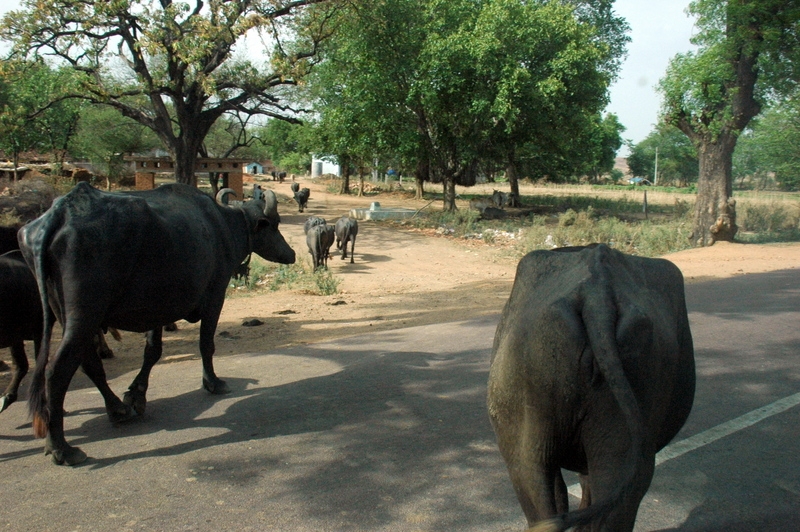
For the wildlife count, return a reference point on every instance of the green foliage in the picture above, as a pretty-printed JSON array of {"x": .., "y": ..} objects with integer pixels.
[
  {"x": 104, "y": 136},
  {"x": 770, "y": 150},
  {"x": 443, "y": 87},
  {"x": 326, "y": 283},
  {"x": 32, "y": 114}
]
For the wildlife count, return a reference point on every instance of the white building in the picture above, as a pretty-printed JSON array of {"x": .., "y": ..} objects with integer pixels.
[{"x": 321, "y": 166}]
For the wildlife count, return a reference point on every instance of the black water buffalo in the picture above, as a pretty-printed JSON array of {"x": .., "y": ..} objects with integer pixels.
[
  {"x": 135, "y": 261},
  {"x": 301, "y": 197},
  {"x": 319, "y": 240},
  {"x": 312, "y": 221},
  {"x": 21, "y": 319},
  {"x": 295, "y": 187},
  {"x": 592, "y": 371},
  {"x": 346, "y": 230}
]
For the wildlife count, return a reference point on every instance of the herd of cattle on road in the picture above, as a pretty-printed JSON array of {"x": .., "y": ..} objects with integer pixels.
[{"x": 592, "y": 368}]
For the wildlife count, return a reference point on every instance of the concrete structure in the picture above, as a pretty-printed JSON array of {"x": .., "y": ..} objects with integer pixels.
[
  {"x": 321, "y": 167},
  {"x": 376, "y": 212},
  {"x": 230, "y": 171}
]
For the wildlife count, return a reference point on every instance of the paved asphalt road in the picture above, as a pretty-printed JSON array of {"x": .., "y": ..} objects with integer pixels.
[{"x": 388, "y": 432}]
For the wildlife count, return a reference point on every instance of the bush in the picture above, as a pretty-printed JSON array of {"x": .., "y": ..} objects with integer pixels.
[{"x": 770, "y": 217}]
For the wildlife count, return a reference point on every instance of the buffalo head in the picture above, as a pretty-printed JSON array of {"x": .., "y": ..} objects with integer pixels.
[{"x": 263, "y": 219}]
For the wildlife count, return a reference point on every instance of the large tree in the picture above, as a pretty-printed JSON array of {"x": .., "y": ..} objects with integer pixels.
[
  {"x": 171, "y": 65},
  {"x": 551, "y": 64},
  {"x": 449, "y": 86},
  {"x": 748, "y": 51}
]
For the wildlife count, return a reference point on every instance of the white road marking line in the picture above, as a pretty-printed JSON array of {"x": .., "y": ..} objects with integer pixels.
[{"x": 713, "y": 434}]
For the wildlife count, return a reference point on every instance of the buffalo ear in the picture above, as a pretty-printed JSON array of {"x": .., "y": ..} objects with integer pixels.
[{"x": 262, "y": 223}]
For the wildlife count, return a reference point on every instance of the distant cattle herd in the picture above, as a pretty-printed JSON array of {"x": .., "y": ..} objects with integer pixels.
[{"x": 592, "y": 368}]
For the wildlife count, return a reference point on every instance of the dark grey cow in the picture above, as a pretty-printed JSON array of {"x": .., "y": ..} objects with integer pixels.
[
  {"x": 592, "y": 371},
  {"x": 346, "y": 230},
  {"x": 319, "y": 240},
  {"x": 135, "y": 261},
  {"x": 301, "y": 197},
  {"x": 312, "y": 221}
]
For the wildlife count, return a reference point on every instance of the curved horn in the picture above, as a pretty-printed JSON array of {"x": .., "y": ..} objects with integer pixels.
[
  {"x": 222, "y": 195},
  {"x": 270, "y": 203}
]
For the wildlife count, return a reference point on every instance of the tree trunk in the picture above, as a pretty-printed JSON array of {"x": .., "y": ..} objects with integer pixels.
[
  {"x": 511, "y": 175},
  {"x": 449, "y": 187},
  {"x": 360, "y": 181},
  {"x": 421, "y": 174},
  {"x": 715, "y": 208},
  {"x": 15, "y": 157},
  {"x": 344, "y": 166},
  {"x": 184, "y": 166}
]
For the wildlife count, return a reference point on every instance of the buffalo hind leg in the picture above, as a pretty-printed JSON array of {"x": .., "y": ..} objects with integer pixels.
[
  {"x": 59, "y": 375},
  {"x": 136, "y": 396}
]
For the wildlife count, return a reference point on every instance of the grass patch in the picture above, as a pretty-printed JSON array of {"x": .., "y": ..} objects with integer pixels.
[
  {"x": 269, "y": 277},
  {"x": 768, "y": 220},
  {"x": 573, "y": 220},
  {"x": 579, "y": 228}
]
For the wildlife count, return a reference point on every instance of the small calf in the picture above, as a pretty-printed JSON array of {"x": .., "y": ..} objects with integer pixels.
[
  {"x": 320, "y": 239},
  {"x": 346, "y": 229}
]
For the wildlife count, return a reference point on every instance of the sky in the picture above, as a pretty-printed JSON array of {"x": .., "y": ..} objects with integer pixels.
[
  {"x": 659, "y": 30},
  {"x": 657, "y": 34}
]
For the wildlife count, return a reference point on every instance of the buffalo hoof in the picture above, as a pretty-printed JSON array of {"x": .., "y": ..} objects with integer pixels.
[
  {"x": 136, "y": 400},
  {"x": 68, "y": 455},
  {"x": 122, "y": 413},
  {"x": 6, "y": 400},
  {"x": 217, "y": 386}
]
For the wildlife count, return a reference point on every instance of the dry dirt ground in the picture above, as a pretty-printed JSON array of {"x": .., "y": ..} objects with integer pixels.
[{"x": 400, "y": 278}]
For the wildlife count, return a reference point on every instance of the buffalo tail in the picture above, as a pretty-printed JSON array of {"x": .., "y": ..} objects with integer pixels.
[{"x": 600, "y": 309}]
